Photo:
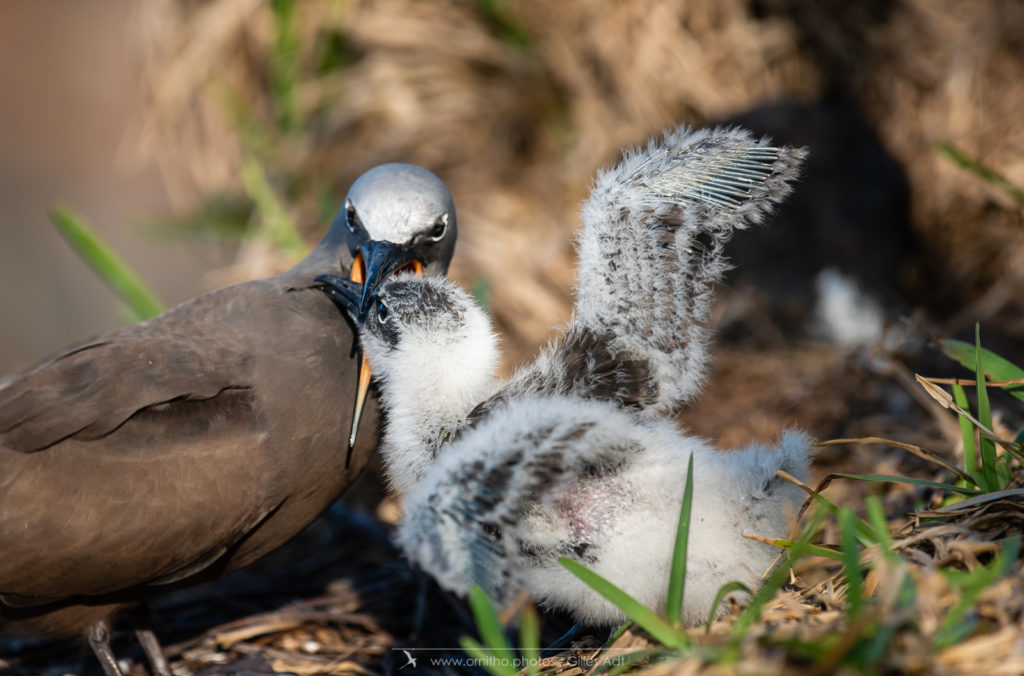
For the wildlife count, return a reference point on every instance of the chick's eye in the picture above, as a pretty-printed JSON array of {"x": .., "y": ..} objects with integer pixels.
[
  {"x": 440, "y": 227},
  {"x": 383, "y": 312}
]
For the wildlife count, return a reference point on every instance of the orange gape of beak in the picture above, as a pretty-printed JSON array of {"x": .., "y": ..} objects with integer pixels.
[
  {"x": 414, "y": 265},
  {"x": 358, "y": 275}
]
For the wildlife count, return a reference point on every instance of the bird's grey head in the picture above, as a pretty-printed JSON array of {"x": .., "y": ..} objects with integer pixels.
[{"x": 399, "y": 215}]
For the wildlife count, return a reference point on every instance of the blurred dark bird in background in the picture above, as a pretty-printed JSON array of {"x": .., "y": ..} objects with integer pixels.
[{"x": 843, "y": 257}]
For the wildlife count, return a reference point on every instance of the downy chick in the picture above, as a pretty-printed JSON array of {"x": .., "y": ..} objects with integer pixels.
[{"x": 576, "y": 455}]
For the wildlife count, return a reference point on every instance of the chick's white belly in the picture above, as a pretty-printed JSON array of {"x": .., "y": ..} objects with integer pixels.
[{"x": 623, "y": 527}]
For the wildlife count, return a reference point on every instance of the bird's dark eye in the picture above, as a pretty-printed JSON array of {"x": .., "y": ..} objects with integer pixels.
[
  {"x": 351, "y": 217},
  {"x": 440, "y": 227},
  {"x": 383, "y": 311}
]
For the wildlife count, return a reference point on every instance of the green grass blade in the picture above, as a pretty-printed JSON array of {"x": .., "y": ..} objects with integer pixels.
[
  {"x": 879, "y": 524},
  {"x": 1007, "y": 556},
  {"x": 863, "y": 529},
  {"x": 957, "y": 624},
  {"x": 752, "y": 613},
  {"x": 988, "y": 448},
  {"x": 529, "y": 638},
  {"x": 487, "y": 622},
  {"x": 994, "y": 365},
  {"x": 677, "y": 576},
  {"x": 877, "y": 647},
  {"x": 636, "y": 611},
  {"x": 720, "y": 596},
  {"x": 967, "y": 435},
  {"x": 277, "y": 225},
  {"x": 333, "y": 51},
  {"x": 851, "y": 561},
  {"x": 982, "y": 171},
  {"x": 617, "y": 634},
  {"x": 908, "y": 480},
  {"x": 776, "y": 581},
  {"x": 506, "y": 28},
  {"x": 284, "y": 66},
  {"x": 1004, "y": 474},
  {"x": 813, "y": 550},
  {"x": 104, "y": 261},
  {"x": 495, "y": 664}
]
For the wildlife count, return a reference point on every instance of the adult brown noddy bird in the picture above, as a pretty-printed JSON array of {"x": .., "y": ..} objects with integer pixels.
[{"x": 190, "y": 445}]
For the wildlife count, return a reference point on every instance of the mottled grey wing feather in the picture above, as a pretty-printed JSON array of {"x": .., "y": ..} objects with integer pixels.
[
  {"x": 650, "y": 253},
  {"x": 454, "y": 534},
  {"x": 582, "y": 363},
  {"x": 465, "y": 519},
  {"x": 651, "y": 248},
  {"x": 459, "y": 523}
]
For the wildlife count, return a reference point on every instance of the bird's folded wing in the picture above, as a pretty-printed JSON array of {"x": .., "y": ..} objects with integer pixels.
[
  {"x": 651, "y": 248},
  {"x": 162, "y": 498},
  {"x": 120, "y": 460},
  {"x": 105, "y": 531},
  {"x": 90, "y": 390}
]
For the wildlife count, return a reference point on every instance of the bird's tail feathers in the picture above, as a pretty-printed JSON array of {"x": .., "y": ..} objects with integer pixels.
[{"x": 791, "y": 453}]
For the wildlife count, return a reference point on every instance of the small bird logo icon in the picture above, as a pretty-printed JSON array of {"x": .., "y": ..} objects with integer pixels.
[{"x": 411, "y": 662}]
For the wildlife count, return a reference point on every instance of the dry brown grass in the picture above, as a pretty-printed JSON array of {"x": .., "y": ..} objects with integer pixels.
[{"x": 518, "y": 132}]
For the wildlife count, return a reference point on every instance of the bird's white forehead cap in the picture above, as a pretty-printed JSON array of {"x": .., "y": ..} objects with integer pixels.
[{"x": 397, "y": 201}]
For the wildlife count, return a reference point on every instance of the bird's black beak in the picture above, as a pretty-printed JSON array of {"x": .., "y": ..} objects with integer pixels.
[
  {"x": 375, "y": 261},
  {"x": 347, "y": 295}
]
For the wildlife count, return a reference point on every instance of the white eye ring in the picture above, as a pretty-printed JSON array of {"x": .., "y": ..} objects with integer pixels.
[
  {"x": 383, "y": 311},
  {"x": 351, "y": 217},
  {"x": 439, "y": 229}
]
